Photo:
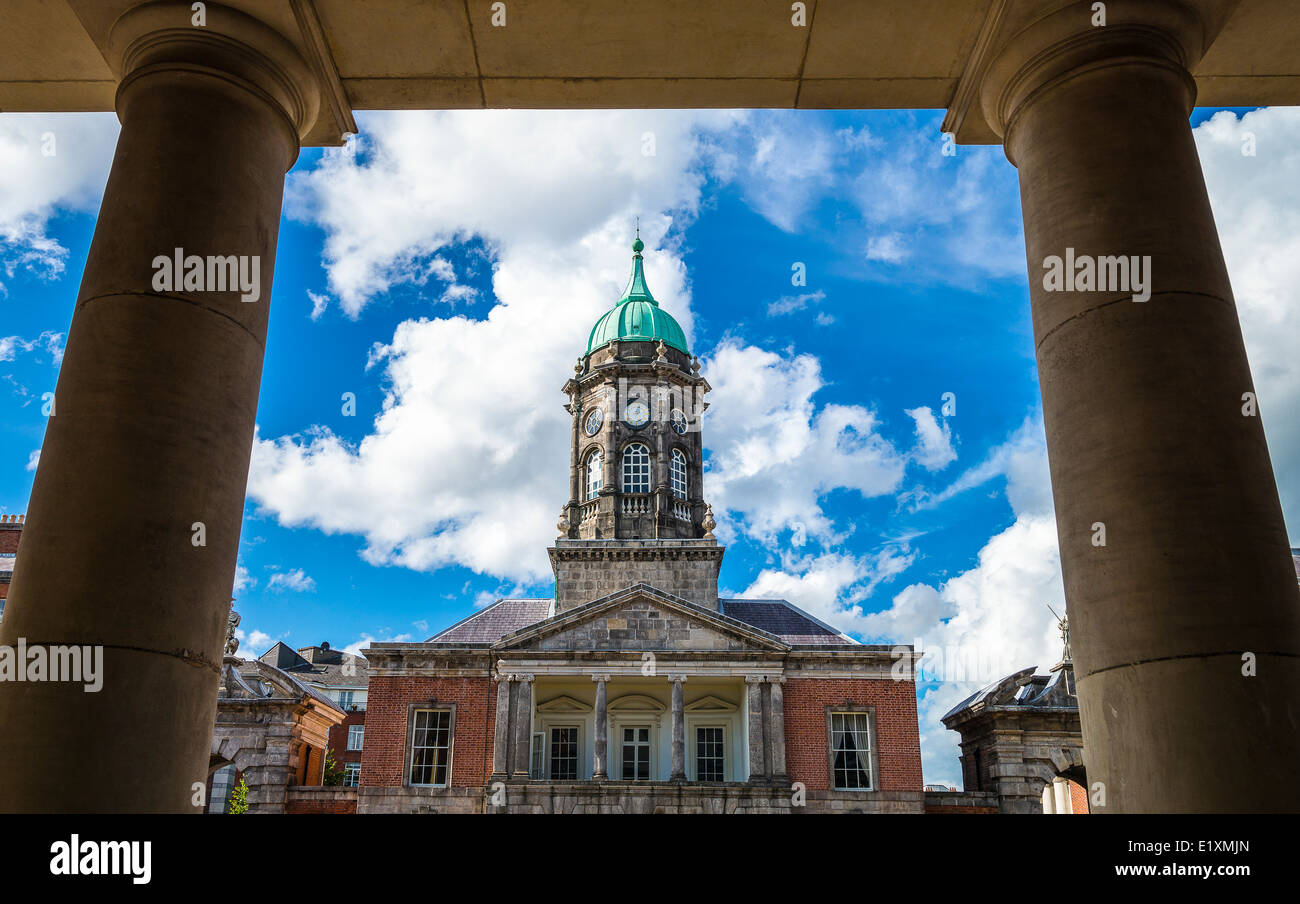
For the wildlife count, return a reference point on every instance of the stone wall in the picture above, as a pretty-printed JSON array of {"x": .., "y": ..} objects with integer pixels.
[
  {"x": 587, "y": 571},
  {"x": 321, "y": 800},
  {"x": 961, "y": 802},
  {"x": 633, "y": 797},
  {"x": 640, "y": 625},
  {"x": 419, "y": 800}
]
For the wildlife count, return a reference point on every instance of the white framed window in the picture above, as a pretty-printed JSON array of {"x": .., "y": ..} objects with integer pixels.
[
  {"x": 431, "y": 747},
  {"x": 565, "y": 752},
  {"x": 636, "y": 469},
  {"x": 678, "y": 473},
  {"x": 634, "y": 748},
  {"x": 595, "y": 475},
  {"x": 710, "y": 753},
  {"x": 356, "y": 736},
  {"x": 850, "y": 744},
  {"x": 351, "y": 775},
  {"x": 345, "y": 699}
]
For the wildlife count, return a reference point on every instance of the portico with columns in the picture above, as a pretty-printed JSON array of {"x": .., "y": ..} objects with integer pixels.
[
  {"x": 636, "y": 688},
  {"x": 1094, "y": 115}
]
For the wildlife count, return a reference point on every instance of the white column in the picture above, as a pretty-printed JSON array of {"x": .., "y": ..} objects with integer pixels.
[{"x": 600, "y": 753}]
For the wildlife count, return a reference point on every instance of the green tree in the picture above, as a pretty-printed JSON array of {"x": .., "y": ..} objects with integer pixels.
[
  {"x": 333, "y": 771},
  {"x": 239, "y": 798}
]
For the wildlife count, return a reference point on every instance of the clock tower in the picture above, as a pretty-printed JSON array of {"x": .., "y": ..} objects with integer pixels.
[{"x": 636, "y": 460}]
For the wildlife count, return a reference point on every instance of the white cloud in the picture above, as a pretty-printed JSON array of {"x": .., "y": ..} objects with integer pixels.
[
  {"x": 1256, "y": 202},
  {"x": 467, "y": 462},
  {"x": 243, "y": 579},
  {"x": 530, "y": 183},
  {"x": 50, "y": 341},
  {"x": 934, "y": 450},
  {"x": 33, "y": 459},
  {"x": 888, "y": 248},
  {"x": 788, "y": 304},
  {"x": 357, "y": 647},
  {"x": 953, "y": 219},
  {"x": 318, "y": 304},
  {"x": 774, "y": 455},
  {"x": 830, "y": 585},
  {"x": 49, "y": 163},
  {"x": 296, "y": 581},
  {"x": 252, "y": 644}
]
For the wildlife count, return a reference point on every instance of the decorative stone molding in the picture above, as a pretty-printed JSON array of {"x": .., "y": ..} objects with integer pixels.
[{"x": 233, "y": 48}]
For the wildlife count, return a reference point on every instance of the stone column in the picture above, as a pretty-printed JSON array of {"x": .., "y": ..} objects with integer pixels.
[
  {"x": 776, "y": 726},
  {"x": 145, "y": 461},
  {"x": 501, "y": 741},
  {"x": 522, "y": 720},
  {"x": 679, "y": 730},
  {"x": 600, "y": 746},
  {"x": 1143, "y": 408},
  {"x": 757, "y": 757}
]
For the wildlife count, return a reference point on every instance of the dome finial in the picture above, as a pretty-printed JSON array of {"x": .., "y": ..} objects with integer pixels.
[{"x": 638, "y": 245}]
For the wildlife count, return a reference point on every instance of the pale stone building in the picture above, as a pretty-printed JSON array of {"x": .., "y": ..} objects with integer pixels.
[{"x": 636, "y": 688}]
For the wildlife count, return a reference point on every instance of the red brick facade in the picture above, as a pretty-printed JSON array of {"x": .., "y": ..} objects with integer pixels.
[
  {"x": 898, "y": 742},
  {"x": 384, "y": 754},
  {"x": 897, "y": 739},
  {"x": 338, "y": 741}
]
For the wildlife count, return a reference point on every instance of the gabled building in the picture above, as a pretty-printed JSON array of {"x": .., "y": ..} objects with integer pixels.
[
  {"x": 636, "y": 688},
  {"x": 343, "y": 679}
]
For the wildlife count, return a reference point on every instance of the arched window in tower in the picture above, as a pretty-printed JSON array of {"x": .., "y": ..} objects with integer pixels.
[
  {"x": 595, "y": 469},
  {"x": 636, "y": 469},
  {"x": 678, "y": 474}
]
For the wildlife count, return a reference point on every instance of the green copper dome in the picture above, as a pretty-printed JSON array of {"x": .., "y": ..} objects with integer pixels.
[{"x": 637, "y": 316}]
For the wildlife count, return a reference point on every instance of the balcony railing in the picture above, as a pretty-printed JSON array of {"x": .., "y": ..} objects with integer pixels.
[
  {"x": 681, "y": 510},
  {"x": 589, "y": 510},
  {"x": 638, "y": 504}
]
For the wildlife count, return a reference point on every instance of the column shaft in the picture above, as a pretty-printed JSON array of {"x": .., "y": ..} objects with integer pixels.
[
  {"x": 145, "y": 459},
  {"x": 757, "y": 757},
  {"x": 1142, "y": 404},
  {"x": 522, "y": 720},
  {"x": 501, "y": 741},
  {"x": 776, "y": 723},
  {"x": 600, "y": 747},
  {"x": 679, "y": 731}
]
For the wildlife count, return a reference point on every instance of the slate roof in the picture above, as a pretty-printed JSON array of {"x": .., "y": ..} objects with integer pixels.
[
  {"x": 785, "y": 620},
  {"x": 317, "y": 666},
  {"x": 496, "y": 621},
  {"x": 777, "y": 617}
]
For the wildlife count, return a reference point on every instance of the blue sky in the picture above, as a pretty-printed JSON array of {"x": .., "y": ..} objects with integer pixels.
[{"x": 445, "y": 268}]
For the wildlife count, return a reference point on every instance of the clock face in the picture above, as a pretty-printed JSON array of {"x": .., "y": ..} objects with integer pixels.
[
  {"x": 594, "y": 419},
  {"x": 678, "y": 421},
  {"x": 638, "y": 414}
]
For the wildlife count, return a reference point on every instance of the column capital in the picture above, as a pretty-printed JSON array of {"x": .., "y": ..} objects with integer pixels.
[
  {"x": 524, "y": 677},
  {"x": 755, "y": 679},
  {"x": 600, "y": 678},
  {"x": 776, "y": 679},
  {"x": 1065, "y": 44},
  {"x": 161, "y": 39},
  {"x": 675, "y": 677}
]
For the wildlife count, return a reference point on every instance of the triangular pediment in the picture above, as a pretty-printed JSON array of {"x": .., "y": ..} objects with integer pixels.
[
  {"x": 641, "y": 617},
  {"x": 710, "y": 704},
  {"x": 563, "y": 704}
]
